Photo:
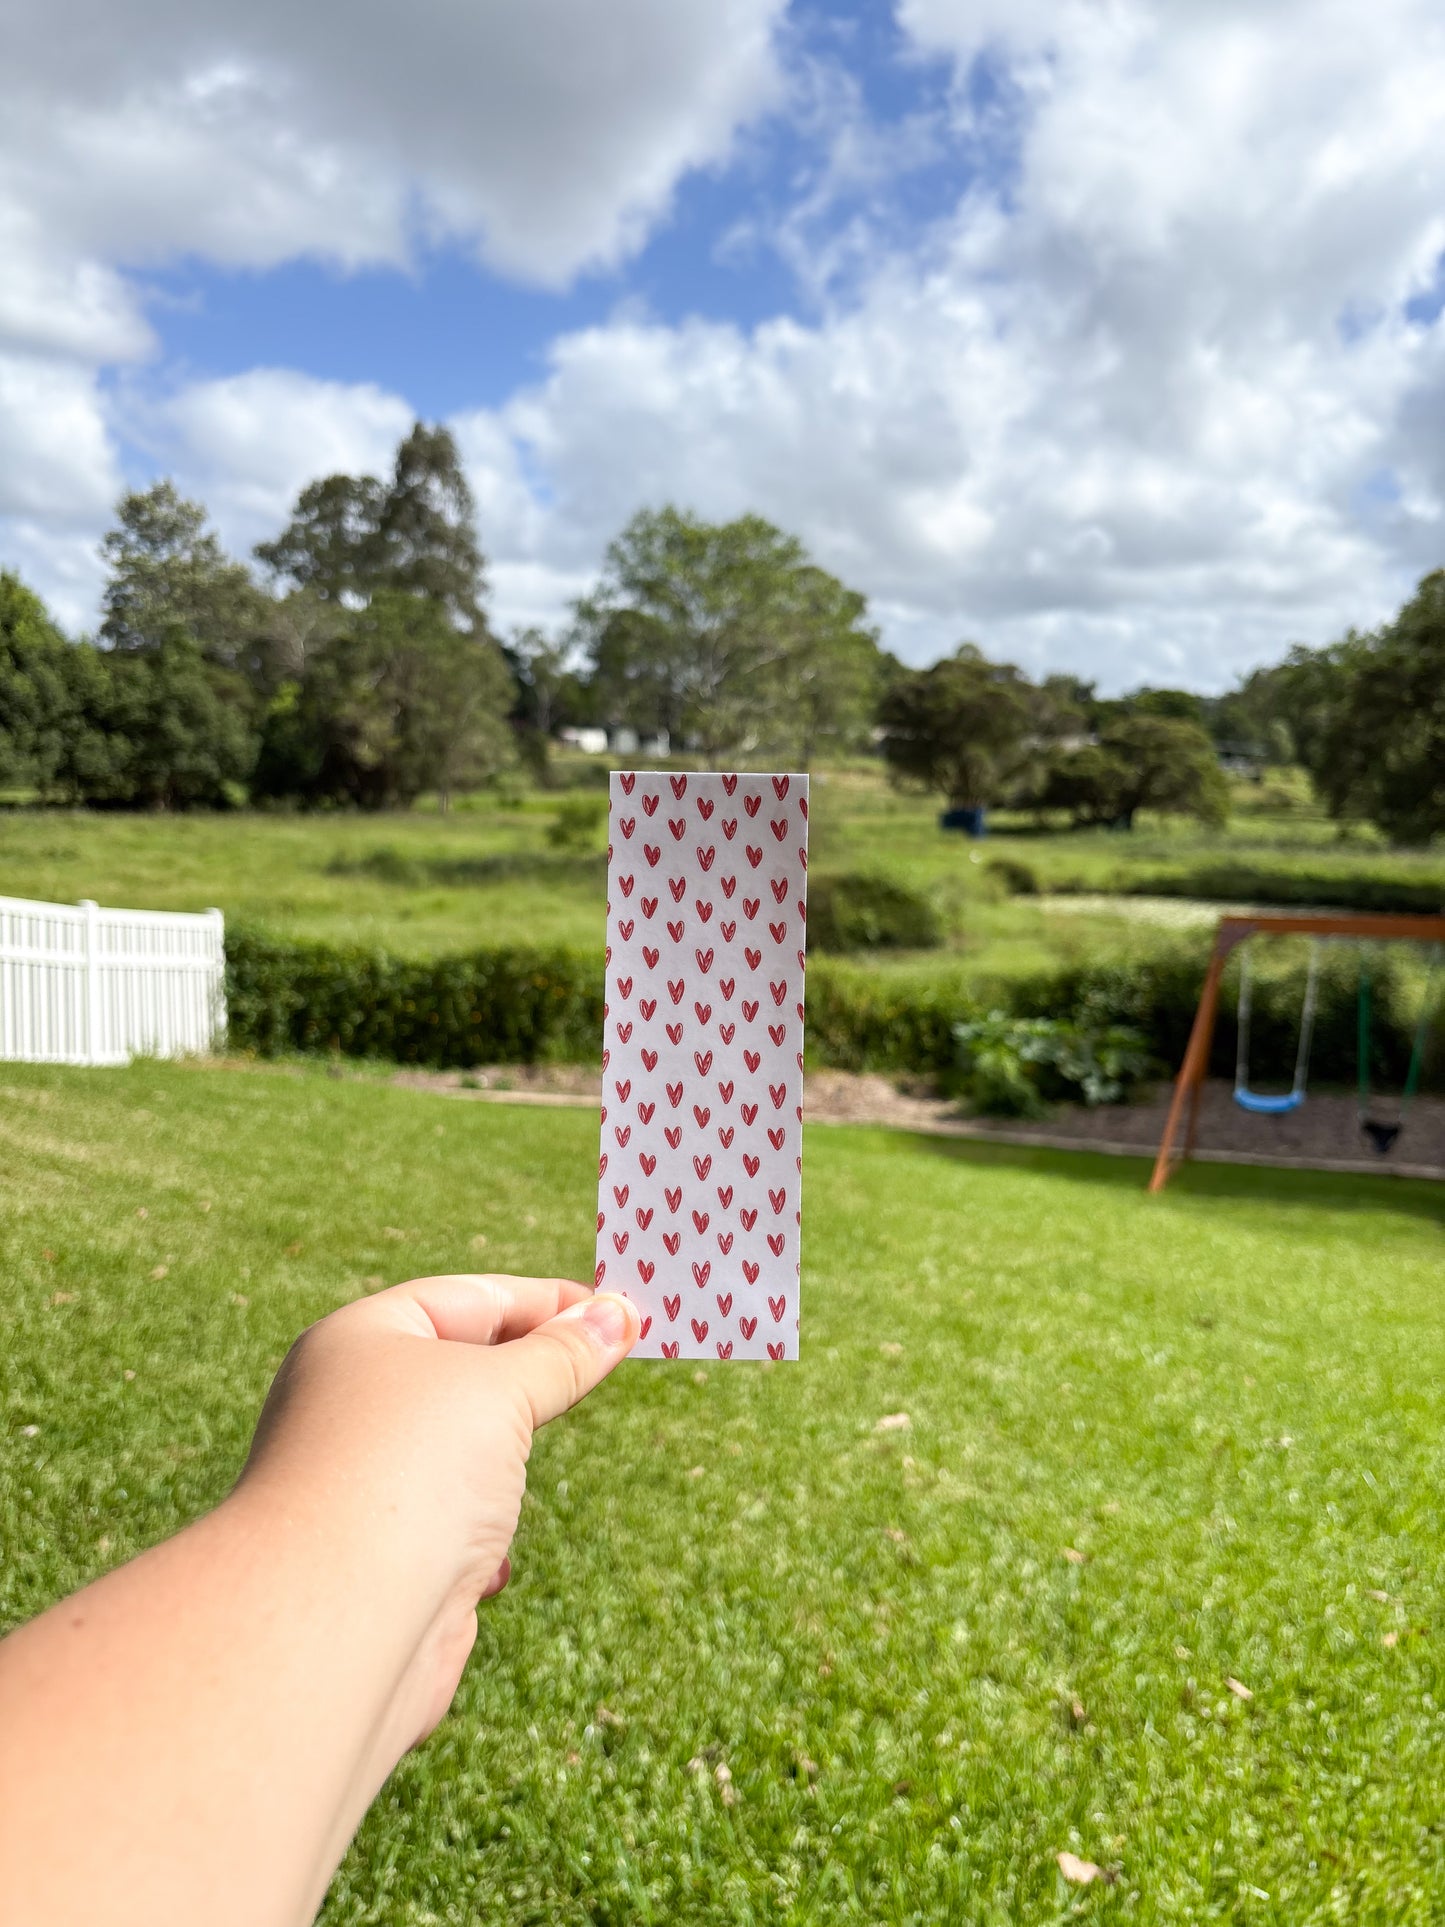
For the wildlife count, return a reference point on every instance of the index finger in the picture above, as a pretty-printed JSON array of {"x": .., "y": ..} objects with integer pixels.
[{"x": 477, "y": 1308}]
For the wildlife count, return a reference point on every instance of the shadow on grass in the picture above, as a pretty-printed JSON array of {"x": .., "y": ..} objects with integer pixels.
[{"x": 1245, "y": 1183}]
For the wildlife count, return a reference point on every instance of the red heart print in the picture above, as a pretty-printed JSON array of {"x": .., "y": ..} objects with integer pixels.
[
  {"x": 647, "y": 1005},
  {"x": 752, "y": 1058},
  {"x": 703, "y": 1060},
  {"x": 725, "y": 1196},
  {"x": 601, "y": 1271},
  {"x": 702, "y": 1012},
  {"x": 644, "y": 1218},
  {"x": 730, "y": 783},
  {"x": 748, "y": 1218},
  {"x": 777, "y": 1032},
  {"x": 700, "y": 1222},
  {"x": 670, "y": 1350},
  {"x": 705, "y": 857},
  {"x": 678, "y": 887},
  {"x": 751, "y": 1164},
  {"x": 775, "y": 1137},
  {"x": 602, "y": 1165},
  {"x": 724, "y": 1242},
  {"x": 752, "y": 804},
  {"x": 653, "y": 855},
  {"x": 601, "y": 1219},
  {"x": 648, "y": 1163},
  {"x": 774, "y": 1351},
  {"x": 673, "y": 1241},
  {"x": 780, "y": 890},
  {"x": 673, "y": 1134},
  {"x": 725, "y": 1136},
  {"x": 777, "y": 1092},
  {"x": 729, "y": 884},
  {"x": 751, "y": 907},
  {"x": 724, "y": 1304},
  {"x": 777, "y": 1306},
  {"x": 779, "y": 827},
  {"x": 780, "y": 787},
  {"x": 650, "y": 956},
  {"x": 645, "y": 1269},
  {"x": 678, "y": 826},
  {"x": 705, "y": 807},
  {"x": 702, "y": 1166},
  {"x": 679, "y": 785},
  {"x": 624, "y": 1031},
  {"x": 627, "y": 778},
  {"x": 725, "y": 1092},
  {"x": 750, "y": 1011},
  {"x": 645, "y": 1110},
  {"x": 624, "y": 930},
  {"x": 674, "y": 1033},
  {"x": 675, "y": 930},
  {"x": 673, "y": 1196},
  {"x": 777, "y": 1199},
  {"x": 606, "y": 1056},
  {"x": 649, "y": 907},
  {"x": 627, "y": 825},
  {"x": 754, "y": 957},
  {"x": 775, "y": 1243},
  {"x": 704, "y": 910},
  {"x": 674, "y": 1094},
  {"x": 704, "y": 960},
  {"x": 724, "y": 1351},
  {"x": 747, "y": 1326},
  {"x": 779, "y": 991},
  {"x": 803, "y": 805},
  {"x": 675, "y": 990},
  {"x": 650, "y": 803},
  {"x": 649, "y": 1060},
  {"x": 699, "y": 1329},
  {"x": 645, "y": 1327},
  {"x": 749, "y": 1113},
  {"x": 701, "y": 1272},
  {"x": 778, "y": 932},
  {"x": 701, "y": 1113},
  {"x": 622, "y": 1132},
  {"x": 755, "y": 857},
  {"x": 624, "y": 988},
  {"x": 730, "y": 828},
  {"x": 672, "y": 1306},
  {"x": 728, "y": 930},
  {"x": 621, "y": 1192},
  {"x": 726, "y": 1032},
  {"x": 750, "y": 1271}
]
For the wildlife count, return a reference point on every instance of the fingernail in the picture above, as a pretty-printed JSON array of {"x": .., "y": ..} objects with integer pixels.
[{"x": 609, "y": 1318}]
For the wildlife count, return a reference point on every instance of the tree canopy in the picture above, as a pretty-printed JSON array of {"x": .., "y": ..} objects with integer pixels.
[{"x": 968, "y": 728}]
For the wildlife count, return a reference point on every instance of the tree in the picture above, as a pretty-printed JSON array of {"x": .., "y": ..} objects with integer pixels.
[
  {"x": 35, "y": 700},
  {"x": 178, "y": 731},
  {"x": 426, "y": 528},
  {"x": 397, "y": 703},
  {"x": 1380, "y": 748},
  {"x": 331, "y": 545},
  {"x": 1141, "y": 762},
  {"x": 169, "y": 576},
  {"x": 728, "y": 637},
  {"x": 968, "y": 728}
]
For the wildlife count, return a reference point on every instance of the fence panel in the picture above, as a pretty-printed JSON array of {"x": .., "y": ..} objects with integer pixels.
[{"x": 82, "y": 985}]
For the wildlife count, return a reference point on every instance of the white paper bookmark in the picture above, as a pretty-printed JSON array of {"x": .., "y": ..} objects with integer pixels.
[{"x": 699, "y": 1202}]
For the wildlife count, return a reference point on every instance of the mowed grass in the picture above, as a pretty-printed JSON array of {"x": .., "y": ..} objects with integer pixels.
[{"x": 1153, "y": 1445}]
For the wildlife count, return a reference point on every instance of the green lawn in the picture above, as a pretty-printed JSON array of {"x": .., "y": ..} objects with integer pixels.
[
  {"x": 1228, "y": 1402},
  {"x": 421, "y": 883}
]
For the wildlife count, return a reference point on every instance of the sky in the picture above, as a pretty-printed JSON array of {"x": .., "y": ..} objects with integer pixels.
[{"x": 1109, "y": 334}]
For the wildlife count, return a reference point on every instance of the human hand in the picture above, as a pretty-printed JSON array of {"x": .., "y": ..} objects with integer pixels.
[{"x": 408, "y": 1416}]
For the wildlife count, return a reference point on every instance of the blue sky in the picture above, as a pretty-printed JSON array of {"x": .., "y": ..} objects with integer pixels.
[{"x": 1110, "y": 338}]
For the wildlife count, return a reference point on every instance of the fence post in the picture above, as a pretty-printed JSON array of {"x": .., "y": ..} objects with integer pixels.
[
  {"x": 92, "y": 979},
  {"x": 219, "y": 1015}
]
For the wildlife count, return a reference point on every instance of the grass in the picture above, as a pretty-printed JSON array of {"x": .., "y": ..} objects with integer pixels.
[{"x": 1228, "y": 1403}]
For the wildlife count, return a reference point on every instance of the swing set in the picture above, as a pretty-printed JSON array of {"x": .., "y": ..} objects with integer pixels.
[{"x": 1381, "y": 1130}]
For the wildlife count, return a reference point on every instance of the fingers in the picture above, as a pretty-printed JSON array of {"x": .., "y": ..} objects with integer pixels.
[
  {"x": 558, "y": 1363},
  {"x": 475, "y": 1309}
]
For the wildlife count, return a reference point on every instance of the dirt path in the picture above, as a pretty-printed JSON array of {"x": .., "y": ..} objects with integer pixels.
[{"x": 1323, "y": 1134}]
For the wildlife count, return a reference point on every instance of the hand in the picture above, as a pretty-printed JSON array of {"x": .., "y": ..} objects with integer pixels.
[{"x": 410, "y": 1415}]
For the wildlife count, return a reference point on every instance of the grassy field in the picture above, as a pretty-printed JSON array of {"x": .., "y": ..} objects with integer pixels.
[
  {"x": 1155, "y": 1445},
  {"x": 422, "y": 883}
]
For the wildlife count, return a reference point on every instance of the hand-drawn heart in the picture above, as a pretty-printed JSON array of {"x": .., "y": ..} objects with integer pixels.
[
  {"x": 730, "y": 783},
  {"x": 724, "y": 1351},
  {"x": 728, "y": 930},
  {"x": 674, "y": 1033},
  {"x": 623, "y": 1088},
  {"x": 705, "y": 807},
  {"x": 673, "y": 1241},
  {"x": 778, "y": 932},
  {"x": 645, "y": 1327},
  {"x": 724, "y": 1242},
  {"x": 726, "y": 1032},
  {"x": 627, "y": 825},
  {"x": 645, "y": 1110},
  {"x": 750, "y": 1011},
  {"x": 774, "y": 1350},
  {"x": 702, "y": 1166},
  {"x": 779, "y": 827},
  {"x": 751, "y": 1164},
  {"x": 726, "y": 986},
  {"x": 679, "y": 785},
  {"x": 752, "y": 1058},
  {"x": 670, "y": 1350},
  {"x": 673, "y": 1196},
  {"x": 602, "y": 1165},
  {"x": 747, "y": 1326},
  {"x": 725, "y": 1090},
  {"x": 624, "y": 988},
  {"x": 725, "y": 1135},
  {"x": 699, "y": 1329},
  {"x": 648, "y": 1163},
  {"x": 705, "y": 857},
  {"x": 780, "y": 787},
  {"x": 650, "y": 803},
  {"x": 730, "y": 828},
  {"x": 750, "y": 1271},
  {"x": 675, "y": 930},
  {"x": 644, "y": 1217},
  {"x": 747, "y": 1218},
  {"x": 701, "y": 1113},
  {"x": 703, "y": 1060},
  {"x": 672, "y": 1306},
  {"x": 725, "y": 1196},
  {"x": 649, "y": 1060},
  {"x": 678, "y": 888},
  {"x": 673, "y": 1134},
  {"x": 627, "y": 778},
  {"x": 704, "y": 960},
  {"x": 780, "y": 889},
  {"x": 621, "y": 1192},
  {"x": 704, "y": 910},
  {"x": 700, "y": 1222},
  {"x": 645, "y": 1269},
  {"x": 752, "y": 804},
  {"x": 622, "y": 1132},
  {"x": 725, "y": 1304},
  {"x": 702, "y": 1012},
  {"x": 749, "y": 1113},
  {"x": 625, "y": 929},
  {"x": 729, "y": 884},
  {"x": 601, "y": 1271},
  {"x": 777, "y": 1032},
  {"x": 624, "y": 1031},
  {"x": 678, "y": 826},
  {"x": 649, "y": 907},
  {"x": 648, "y": 1007},
  {"x": 777, "y": 1306},
  {"x": 775, "y": 1243},
  {"x": 777, "y": 1092},
  {"x": 777, "y": 1199},
  {"x": 650, "y": 955},
  {"x": 674, "y": 1093},
  {"x": 754, "y": 957},
  {"x": 653, "y": 854},
  {"x": 701, "y": 1272},
  {"x": 751, "y": 907},
  {"x": 775, "y": 1137},
  {"x": 755, "y": 857},
  {"x": 675, "y": 990}
]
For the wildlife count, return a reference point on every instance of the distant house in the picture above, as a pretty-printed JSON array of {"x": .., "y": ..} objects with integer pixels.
[
  {"x": 621, "y": 740},
  {"x": 591, "y": 742}
]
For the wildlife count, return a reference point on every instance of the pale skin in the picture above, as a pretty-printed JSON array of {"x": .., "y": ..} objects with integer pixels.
[{"x": 197, "y": 1735}]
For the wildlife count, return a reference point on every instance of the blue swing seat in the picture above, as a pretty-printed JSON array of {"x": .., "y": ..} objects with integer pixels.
[{"x": 1263, "y": 1104}]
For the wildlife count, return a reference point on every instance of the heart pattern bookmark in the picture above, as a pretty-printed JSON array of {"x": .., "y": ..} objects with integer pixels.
[{"x": 699, "y": 1201}]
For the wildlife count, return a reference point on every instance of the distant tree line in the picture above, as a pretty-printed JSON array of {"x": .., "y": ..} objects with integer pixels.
[{"x": 353, "y": 664}]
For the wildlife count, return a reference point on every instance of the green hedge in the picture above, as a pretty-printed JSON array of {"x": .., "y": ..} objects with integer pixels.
[
  {"x": 507, "y": 1006},
  {"x": 853, "y": 911},
  {"x": 1289, "y": 887},
  {"x": 518, "y": 1005}
]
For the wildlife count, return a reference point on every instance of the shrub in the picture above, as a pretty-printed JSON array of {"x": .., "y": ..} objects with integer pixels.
[
  {"x": 854, "y": 912},
  {"x": 1018, "y": 879},
  {"x": 507, "y": 1005},
  {"x": 1016, "y": 1066},
  {"x": 577, "y": 823}
]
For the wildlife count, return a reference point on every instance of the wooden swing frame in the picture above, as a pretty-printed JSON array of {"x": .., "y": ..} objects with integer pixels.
[{"x": 1181, "y": 1124}]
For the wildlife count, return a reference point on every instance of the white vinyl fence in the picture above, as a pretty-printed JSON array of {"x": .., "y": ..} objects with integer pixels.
[{"x": 82, "y": 985}]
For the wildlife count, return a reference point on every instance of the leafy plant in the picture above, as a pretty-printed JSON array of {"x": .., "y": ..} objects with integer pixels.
[
  {"x": 856, "y": 912},
  {"x": 1014, "y": 1066},
  {"x": 576, "y": 823}
]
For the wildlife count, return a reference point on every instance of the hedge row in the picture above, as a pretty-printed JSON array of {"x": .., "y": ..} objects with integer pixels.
[
  {"x": 1280, "y": 886},
  {"x": 518, "y": 1005}
]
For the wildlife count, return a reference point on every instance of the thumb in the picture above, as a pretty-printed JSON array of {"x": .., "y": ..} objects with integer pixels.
[{"x": 558, "y": 1363}]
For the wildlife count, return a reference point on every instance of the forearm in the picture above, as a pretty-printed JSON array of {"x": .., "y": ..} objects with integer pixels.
[{"x": 135, "y": 1716}]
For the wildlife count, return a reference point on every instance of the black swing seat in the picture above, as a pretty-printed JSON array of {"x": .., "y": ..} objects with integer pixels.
[{"x": 1382, "y": 1134}]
